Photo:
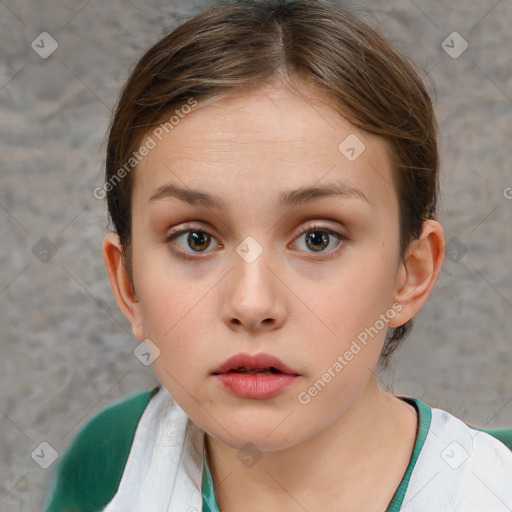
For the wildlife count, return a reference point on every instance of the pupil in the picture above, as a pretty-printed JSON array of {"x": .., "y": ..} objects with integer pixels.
[{"x": 313, "y": 237}]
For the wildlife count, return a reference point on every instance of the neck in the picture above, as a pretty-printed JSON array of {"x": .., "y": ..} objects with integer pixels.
[{"x": 372, "y": 441}]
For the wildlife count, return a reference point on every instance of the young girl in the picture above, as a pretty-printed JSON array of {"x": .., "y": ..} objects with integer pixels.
[{"x": 272, "y": 175}]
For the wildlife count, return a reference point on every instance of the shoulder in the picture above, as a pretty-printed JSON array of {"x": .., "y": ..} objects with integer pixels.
[
  {"x": 461, "y": 468},
  {"x": 478, "y": 442},
  {"x": 504, "y": 435},
  {"x": 490, "y": 469},
  {"x": 90, "y": 470}
]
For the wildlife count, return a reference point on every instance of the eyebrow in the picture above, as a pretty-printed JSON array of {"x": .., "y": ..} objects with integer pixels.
[{"x": 286, "y": 199}]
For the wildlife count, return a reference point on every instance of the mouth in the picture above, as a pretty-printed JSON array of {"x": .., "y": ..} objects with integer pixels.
[
  {"x": 256, "y": 377},
  {"x": 263, "y": 371},
  {"x": 258, "y": 364}
]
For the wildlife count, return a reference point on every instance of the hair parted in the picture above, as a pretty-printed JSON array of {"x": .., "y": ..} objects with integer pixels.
[{"x": 314, "y": 45}]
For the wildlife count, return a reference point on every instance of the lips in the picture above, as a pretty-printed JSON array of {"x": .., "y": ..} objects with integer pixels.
[
  {"x": 254, "y": 364},
  {"x": 257, "y": 377}
]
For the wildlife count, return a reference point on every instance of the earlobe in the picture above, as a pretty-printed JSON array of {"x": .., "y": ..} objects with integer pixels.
[
  {"x": 121, "y": 283},
  {"x": 418, "y": 272}
]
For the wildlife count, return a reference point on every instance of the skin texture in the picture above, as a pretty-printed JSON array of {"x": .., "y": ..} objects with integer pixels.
[{"x": 302, "y": 306}]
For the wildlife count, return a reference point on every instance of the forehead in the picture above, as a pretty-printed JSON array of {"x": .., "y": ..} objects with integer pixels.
[{"x": 270, "y": 140}]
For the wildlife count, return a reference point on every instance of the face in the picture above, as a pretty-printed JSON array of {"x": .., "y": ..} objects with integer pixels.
[{"x": 233, "y": 254}]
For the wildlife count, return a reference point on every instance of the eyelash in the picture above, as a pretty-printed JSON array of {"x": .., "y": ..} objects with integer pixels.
[{"x": 311, "y": 228}]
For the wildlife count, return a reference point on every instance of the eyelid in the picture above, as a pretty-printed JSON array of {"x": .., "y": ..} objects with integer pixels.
[
  {"x": 178, "y": 230},
  {"x": 318, "y": 226}
]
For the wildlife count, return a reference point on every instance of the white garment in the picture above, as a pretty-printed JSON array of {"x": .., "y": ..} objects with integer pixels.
[
  {"x": 164, "y": 468},
  {"x": 459, "y": 469}
]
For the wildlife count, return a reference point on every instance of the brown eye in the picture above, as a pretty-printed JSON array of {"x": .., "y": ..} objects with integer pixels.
[
  {"x": 189, "y": 242},
  {"x": 317, "y": 240},
  {"x": 198, "y": 240}
]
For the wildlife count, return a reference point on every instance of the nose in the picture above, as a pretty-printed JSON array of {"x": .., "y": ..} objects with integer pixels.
[{"x": 254, "y": 297}]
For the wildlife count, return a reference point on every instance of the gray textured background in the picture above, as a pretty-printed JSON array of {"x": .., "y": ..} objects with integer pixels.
[{"x": 66, "y": 351}]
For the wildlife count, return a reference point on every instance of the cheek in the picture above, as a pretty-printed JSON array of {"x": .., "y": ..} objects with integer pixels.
[
  {"x": 353, "y": 301},
  {"x": 176, "y": 325},
  {"x": 347, "y": 309},
  {"x": 165, "y": 290},
  {"x": 174, "y": 317},
  {"x": 173, "y": 314}
]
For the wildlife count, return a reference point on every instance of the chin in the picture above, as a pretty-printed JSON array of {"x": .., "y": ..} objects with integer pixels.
[{"x": 256, "y": 433}]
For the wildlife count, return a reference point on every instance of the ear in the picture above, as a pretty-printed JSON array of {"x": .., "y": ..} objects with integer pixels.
[
  {"x": 418, "y": 272},
  {"x": 121, "y": 283}
]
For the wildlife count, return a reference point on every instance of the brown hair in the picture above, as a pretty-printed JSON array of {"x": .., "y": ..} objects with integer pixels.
[{"x": 237, "y": 45}]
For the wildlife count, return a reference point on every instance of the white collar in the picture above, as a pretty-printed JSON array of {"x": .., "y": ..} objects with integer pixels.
[{"x": 149, "y": 483}]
